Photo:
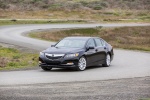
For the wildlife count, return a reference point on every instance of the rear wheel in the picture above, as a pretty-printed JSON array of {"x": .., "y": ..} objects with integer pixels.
[
  {"x": 46, "y": 68},
  {"x": 107, "y": 61},
  {"x": 81, "y": 64}
]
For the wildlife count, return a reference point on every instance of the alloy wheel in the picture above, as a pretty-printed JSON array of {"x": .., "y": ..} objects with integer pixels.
[
  {"x": 108, "y": 59},
  {"x": 82, "y": 64}
]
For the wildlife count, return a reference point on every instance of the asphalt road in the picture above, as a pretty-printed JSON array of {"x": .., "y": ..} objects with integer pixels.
[
  {"x": 126, "y": 64},
  {"x": 12, "y": 34},
  {"x": 122, "y": 89}
]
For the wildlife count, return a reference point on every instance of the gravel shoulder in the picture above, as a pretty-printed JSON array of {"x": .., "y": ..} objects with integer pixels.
[{"x": 122, "y": 89}]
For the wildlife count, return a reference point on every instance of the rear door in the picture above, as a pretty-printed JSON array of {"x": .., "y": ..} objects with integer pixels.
[{"x": 100, "y": 49}]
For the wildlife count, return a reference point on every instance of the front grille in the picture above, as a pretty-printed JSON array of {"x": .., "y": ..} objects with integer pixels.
[
  {"x": 49, "y": 57},
  {"x": 54, "y": 56}
]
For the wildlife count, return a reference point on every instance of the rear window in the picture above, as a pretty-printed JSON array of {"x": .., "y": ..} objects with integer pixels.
[{"x": 98, "y": 43}]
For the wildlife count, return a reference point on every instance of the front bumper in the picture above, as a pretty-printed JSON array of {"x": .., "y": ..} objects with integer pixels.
[
  {"x": 59, "y": 63},
  {"x": 57, "y": 66}
]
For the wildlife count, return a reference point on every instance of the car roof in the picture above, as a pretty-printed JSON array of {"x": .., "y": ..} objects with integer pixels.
[{"x": 80, "y": 37}]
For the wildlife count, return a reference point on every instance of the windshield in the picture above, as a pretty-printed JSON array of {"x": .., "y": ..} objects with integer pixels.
[{"x": 74, "y": 43}]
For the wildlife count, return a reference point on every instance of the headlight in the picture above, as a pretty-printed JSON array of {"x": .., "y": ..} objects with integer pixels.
[
  {"x": 72, "y": 55},
  {"x": 41, "y": 53}
]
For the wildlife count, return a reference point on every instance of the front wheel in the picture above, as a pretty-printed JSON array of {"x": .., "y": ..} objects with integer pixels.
[
  {"x": 107, "y": 61},
  {"x": 46, "y": 68},
  {"x": 81, "y": 64}
]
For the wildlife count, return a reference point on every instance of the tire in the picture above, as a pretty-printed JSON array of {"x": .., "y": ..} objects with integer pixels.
[
  {"x": 81, "y": 64},
  {"x": 46, "y": 68},
  {"x": 107, "y": 61}
]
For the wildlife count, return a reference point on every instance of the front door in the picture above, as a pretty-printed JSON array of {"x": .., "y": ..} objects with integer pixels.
[{"x": 90, "y": 53}]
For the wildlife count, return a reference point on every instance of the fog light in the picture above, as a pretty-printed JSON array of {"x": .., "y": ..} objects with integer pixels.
[
  {"x": 70, "y": 63},
  {"x": 40, "y": 62}
]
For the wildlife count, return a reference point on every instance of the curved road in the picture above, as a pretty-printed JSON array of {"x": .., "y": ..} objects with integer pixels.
[{"x": 126, "y": 64}]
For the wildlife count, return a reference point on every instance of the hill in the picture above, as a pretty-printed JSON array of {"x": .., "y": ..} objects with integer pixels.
[
  {"x": 97, "y": 10},
  {"x": 74, "y": 4}
]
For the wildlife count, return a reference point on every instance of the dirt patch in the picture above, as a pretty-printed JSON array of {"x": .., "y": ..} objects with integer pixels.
[
  {"x": 3, "y": 61},
  {"x": 22, "y": 49}
]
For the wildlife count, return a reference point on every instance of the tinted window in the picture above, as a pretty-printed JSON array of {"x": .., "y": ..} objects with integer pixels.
[
  {"x": 71, "y": 43},
  {"x": 91, "y": 43},
  {"x": 98, "y": 42},
  {"x": 103, "y": 42}
]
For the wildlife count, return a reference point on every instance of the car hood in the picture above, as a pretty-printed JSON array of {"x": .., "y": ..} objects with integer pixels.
[{"x": 55, "y": 50}]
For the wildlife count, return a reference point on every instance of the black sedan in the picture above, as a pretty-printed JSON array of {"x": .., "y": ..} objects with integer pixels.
[{"x": 77, "y": 53}]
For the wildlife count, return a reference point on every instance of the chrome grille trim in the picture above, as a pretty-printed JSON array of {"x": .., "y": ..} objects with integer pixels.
[{"x": 53, "y": 56}]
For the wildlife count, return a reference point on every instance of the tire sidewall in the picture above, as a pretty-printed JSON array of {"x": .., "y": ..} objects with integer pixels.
[
  {"x": 106, "y": 64},
  {"x": 78, "y": 68}
]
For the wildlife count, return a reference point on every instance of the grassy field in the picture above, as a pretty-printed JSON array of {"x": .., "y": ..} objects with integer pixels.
[
  {"x": 135, "y": 38},
  {"x": 11, "y": 59}
]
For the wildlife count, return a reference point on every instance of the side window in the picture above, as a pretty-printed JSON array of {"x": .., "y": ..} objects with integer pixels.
[
  {"x": 91, "y": 43},
  {"x": 98, "y": 43},
  {"x": 103, "y": 42}
]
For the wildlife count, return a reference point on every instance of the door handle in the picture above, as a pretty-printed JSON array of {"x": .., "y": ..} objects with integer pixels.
[
  {"x": 96, "y": 50},
  {"x": 104, "y": 47}
]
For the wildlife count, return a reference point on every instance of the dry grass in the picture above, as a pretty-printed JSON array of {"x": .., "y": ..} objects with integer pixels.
[
  {"x": 137, "y": 38},
  {"x": 97, "y": 10},
  {"x": 102, "y": 15},
  {"x": 73, "y": 4},
  {"x": 3, "y": 61}
]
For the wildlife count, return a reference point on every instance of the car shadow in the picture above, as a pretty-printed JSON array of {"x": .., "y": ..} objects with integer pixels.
[
  {"x": 62, "y": 70},
  {"x": 94, "y": 67},
  {"x": 73, "y": 70}
]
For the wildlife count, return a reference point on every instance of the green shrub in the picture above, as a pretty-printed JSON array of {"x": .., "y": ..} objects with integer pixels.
[
  {"x": 3, "y": 5},
  {"x": 34, "y": 1},
  {"x": 55, "y": 6},
  {"x": 17, "y": 56},
  {"x": 98, "y": 7},
  {"x": 84, "y": 3},
  {"x": 12, "y": 64}
]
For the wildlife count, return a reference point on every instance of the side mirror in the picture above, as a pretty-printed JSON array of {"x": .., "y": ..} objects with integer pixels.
[{"x": 90, "y": 47}]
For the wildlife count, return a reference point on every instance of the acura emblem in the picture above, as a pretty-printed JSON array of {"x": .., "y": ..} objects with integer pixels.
[{"x": 52, "y": 55}]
